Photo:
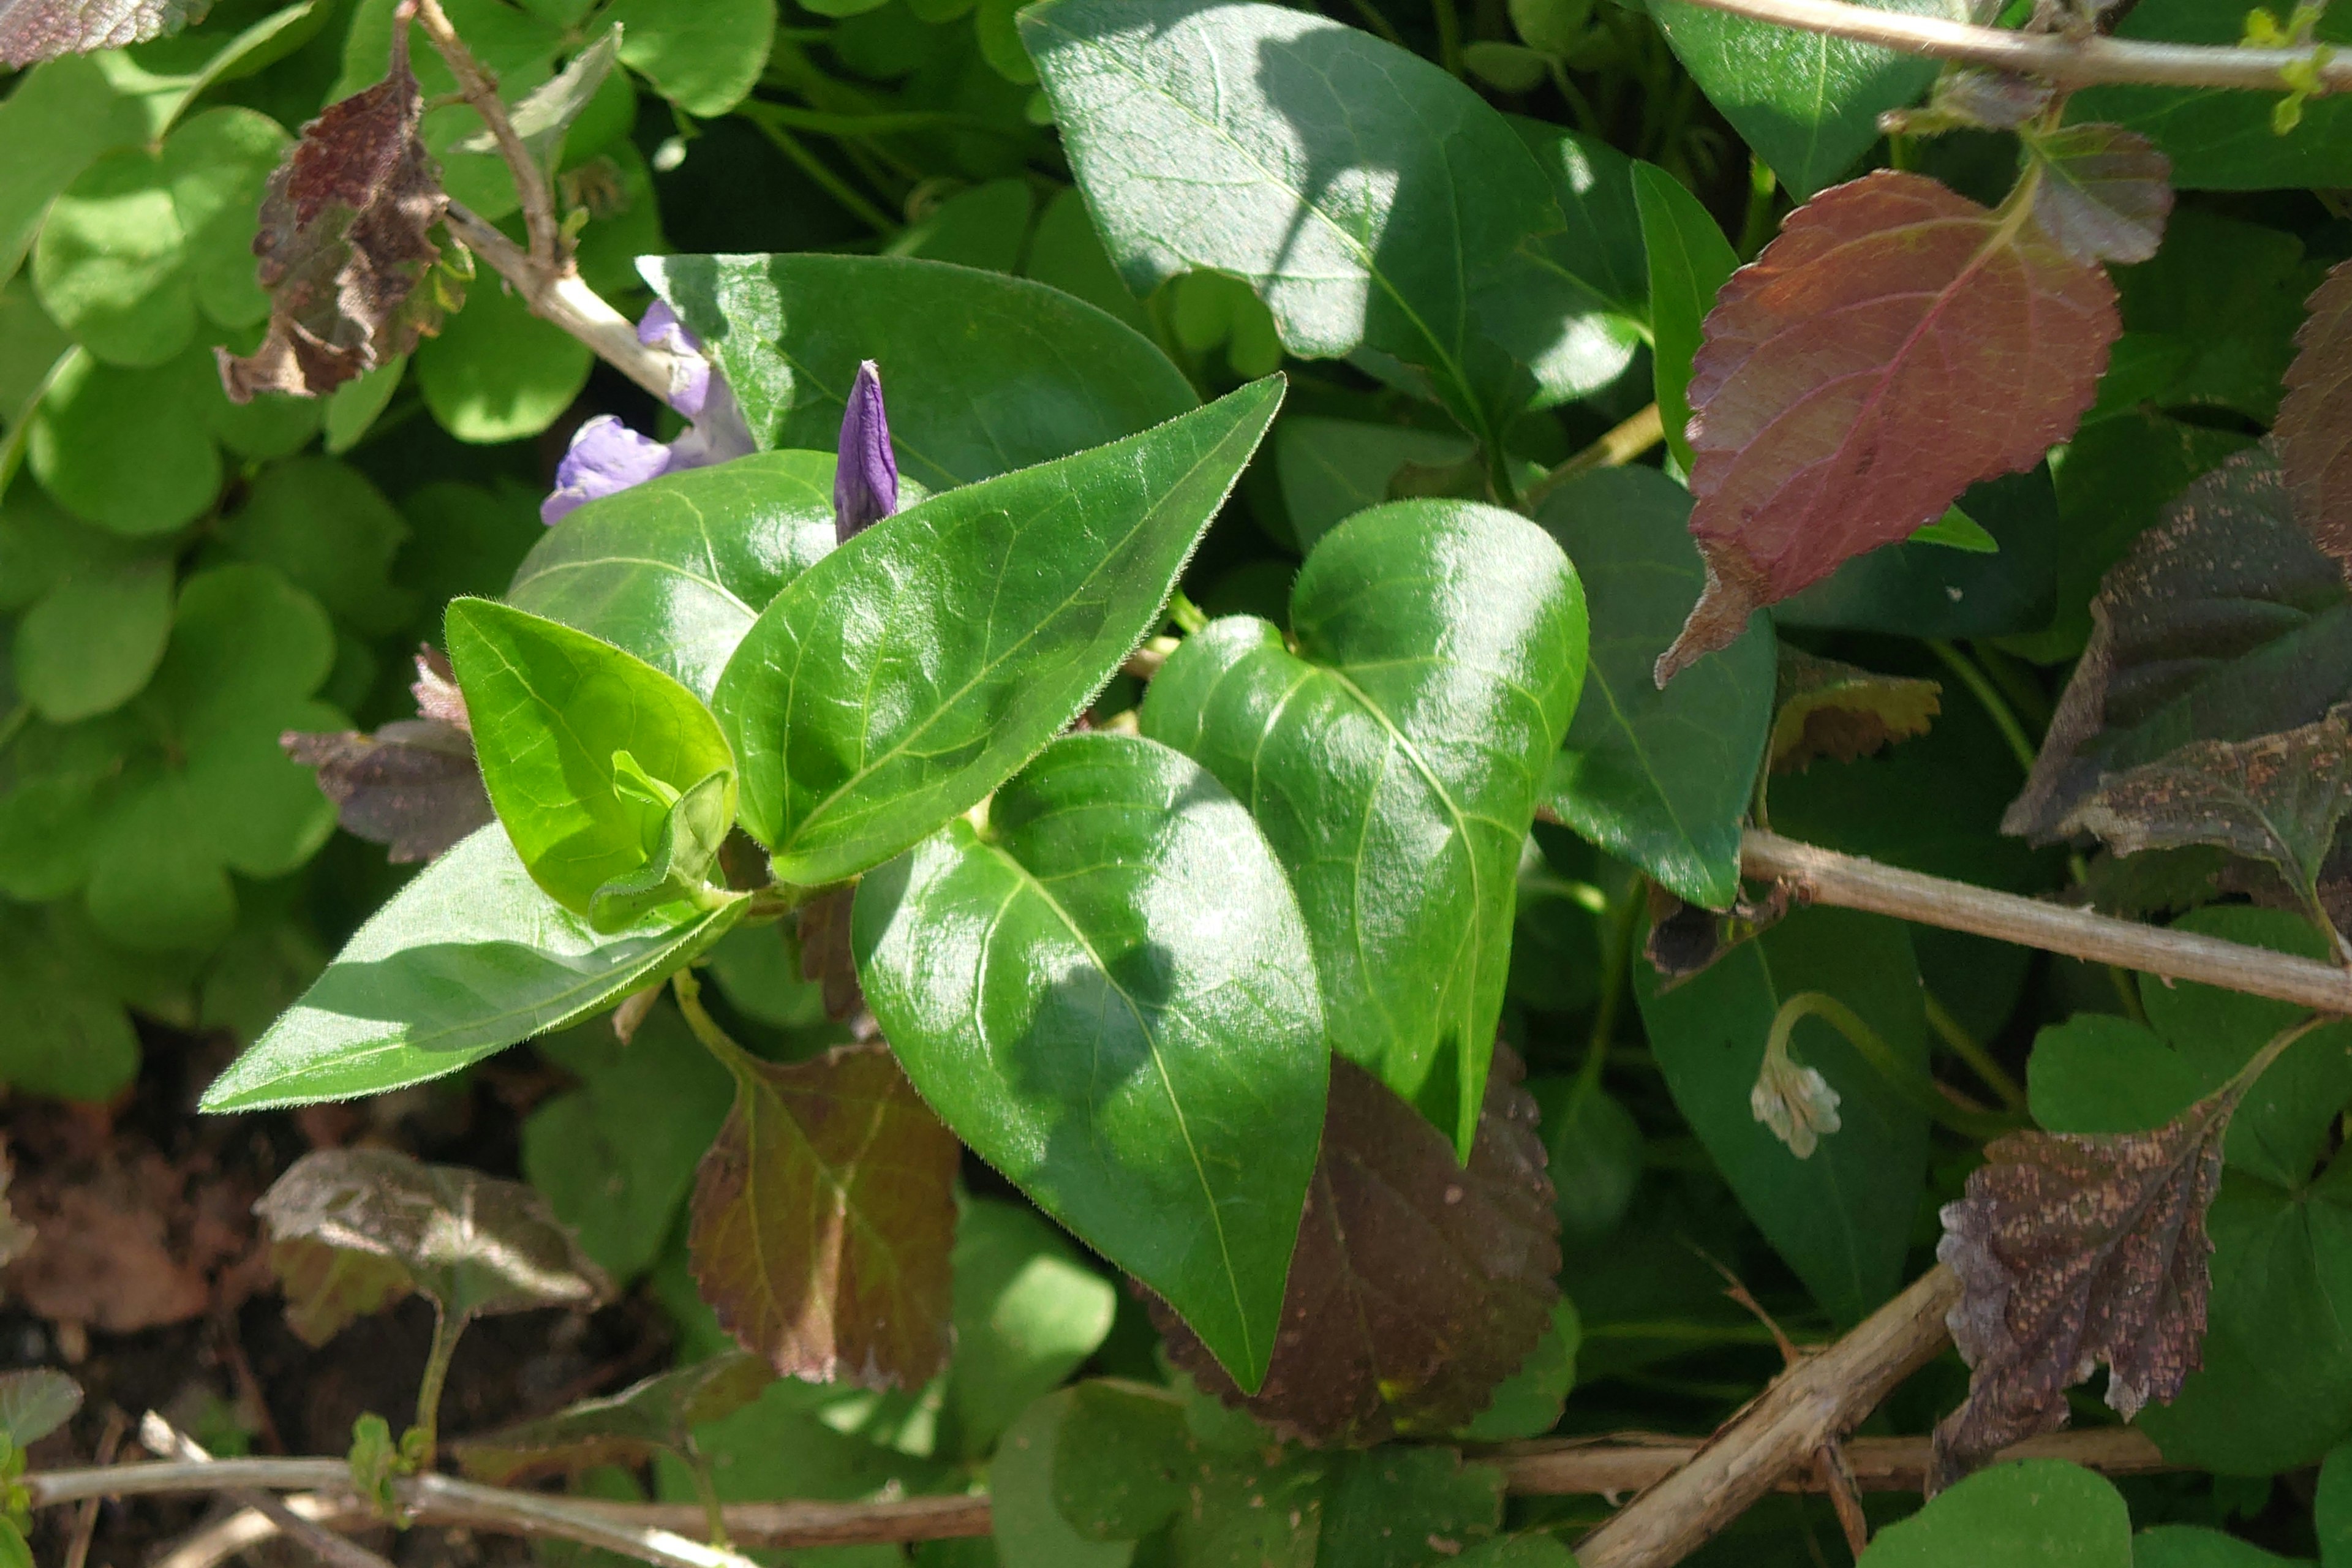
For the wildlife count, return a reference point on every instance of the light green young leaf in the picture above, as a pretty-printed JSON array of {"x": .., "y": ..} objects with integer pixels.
[
  {"x": 704, "y": 57},
  {"x": 1108, "y": 994},
  {"x": 547, "y": 111},
  {"x": 219, "y": 163},
  {"x": 972, "y": 628},
  {"x": 552, "y": 708},
  {"x": 131, "y": 450},
  {"x": 2035, "y": 1513},
  {"x": 1027, "y": 1524},
  {"x": 685, "y": 845},
  {"x": 496, "y": 372},
  {"x": 92, "y": 641},
  {"x": 464, "y": 960},
  {"x": 111, "y": 261},
  {"x": 1394, "y": 761}
]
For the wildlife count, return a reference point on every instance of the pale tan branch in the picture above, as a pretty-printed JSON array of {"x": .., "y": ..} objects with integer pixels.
[
  {"x": 1825, "y": 876},
  {"x": 561, "y": 298},
  {"x": 1626, "y": 1462},
  {"x": 480, "y": 91},
  {"x": 162, "y": 1438},
  {"x": 1616, "y": 448},
  {"x": 2069, "y": 62}
]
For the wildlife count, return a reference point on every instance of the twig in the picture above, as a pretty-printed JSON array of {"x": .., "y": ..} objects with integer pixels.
[
  {"x": 1145, "y": 661},
  {"x": 2067, "y": 61},
  {"x": 1825, "y": 876},
  {"x": 1845, "y": 1495},
  {"x": 1631, "y": 1461},
  {"x": 1796, "y": 1414},
  {"x": 162, "y": 1438},
  {"x": 248, "y": 1528},
  {"x": 561, "y": 298},
  {"x": 481, "y": 92},
  {"x": 86, "y": 1521},
  {"x": 1619, "y": 446}
]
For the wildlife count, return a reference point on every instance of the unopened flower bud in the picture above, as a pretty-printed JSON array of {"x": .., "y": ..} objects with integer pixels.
[{"x": 866, "y": 477}]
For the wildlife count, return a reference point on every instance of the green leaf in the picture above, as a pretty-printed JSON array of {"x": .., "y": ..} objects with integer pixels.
[
  {"x": 466, "y": 959},
  {"x": 1028, "y": 1313},
  {"x": 1394, "y": 761},
  {"x": 15, "y": 1552},
  {"x": 551, "y": 710},
  {"x": 93, "y": 640},
  {"x": 676, "y": 569},
  {"x": 68, "y": 1036},
  {"x": 332, "y": 533},
  {"x": 35, "y": 1402},
  {"x": 1595, "y": 1155},
  {"x": 1375, "y": 203},
  {"x": 1808, "y": 103},
  {"x": 1028, "y": 1527},
  {"x": 1027, "y": 375},
  {"x": 1331, "y": 469},
  {"x": 1689, "y": 260},
  {"x": 1589, "y": 319},
  {"x": 1922, "y": 588},
  {"x": 703, "y": 57},
  {"x": 111, "y": 261},
  {"x": 615, "y": 1156},
  {"x": 2035, "y": 1513},
  {"x": 220, "y": 162},
  {"x": 1659, "y": 778},
  {"x": 1130, "y": 1030},
  {"x": 983, "y": 227},
  {"x": 1956, "y": 529},
  {"x": 973, "y": 626},
  {"x": 58, "y": 120},
  {"x": 2191, "y": 1546},
  {"x": 545, "y": 116},
  {"x": 2219, "y": 138},
  {"x": 496, "y": 372},
  {"x": 1841, "y": 1218},
  {"x": 2331, "y": 1510},
  {"x": 653, "y": 1416},
  {"x": 1066, "y": 254},
  {"x": 129, "y": 449}
]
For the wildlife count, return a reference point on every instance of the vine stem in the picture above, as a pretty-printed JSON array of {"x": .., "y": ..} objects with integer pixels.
[
  {"x": 1820, "y": 876},
  {"x": 1618, "y": 447},
  {"x": 2069, "y": 62},
  {"x": 436, "y": 1372},
  {"x": 480, "y": 91},
  {"x": 1913, "y": 1083}
]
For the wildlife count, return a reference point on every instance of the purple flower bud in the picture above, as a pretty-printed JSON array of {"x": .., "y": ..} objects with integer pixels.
[
  {"x": 691, "y": 379},
  {"x": 866, "y": 477},
  {"x": 605, "y": 458}
]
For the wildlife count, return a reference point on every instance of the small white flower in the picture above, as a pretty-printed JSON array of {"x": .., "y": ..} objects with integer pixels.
[{"x": 1796, "y": 1103}]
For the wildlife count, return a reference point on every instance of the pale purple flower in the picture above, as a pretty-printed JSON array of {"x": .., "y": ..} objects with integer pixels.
[
  {"x": 865, "y": 473},
  {"x": 606, "y": 456}
]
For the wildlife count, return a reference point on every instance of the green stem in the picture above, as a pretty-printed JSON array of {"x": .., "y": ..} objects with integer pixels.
[
  {"x": 2017, "y": 682},
  {"x": 1969, "y": 1050},
  {"x": 1189, "y": 619},
  {"x": 705, "y": 1492},
  {"x": 436, "y": 1372},
  {"x": 1616, "y": 957},
  {"x": 716, "y": 1040},
  {"x": 833, "y": 184},
  {"x": 1912, "y": 1083},
  {"x": 1449, "y": 35},
  {"x": 2020, "y": 745},
  {"x": 1757, "y": 228}
]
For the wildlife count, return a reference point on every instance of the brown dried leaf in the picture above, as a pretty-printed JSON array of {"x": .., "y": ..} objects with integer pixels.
[
  {"x": 657, "y": 1415},
  {"x": 1827, "y": 709},
  {"x": 2276, "y": 798},
  {"x": 2074, "y": 1250},
  {"x": 2315, "y": 421},
  {"x": 437, "y": 694},
  {"x": 413, "y": 785},
  {"x": 2224, "y": 623},
  {"x": 33, "y": 30},
  {"x": 1418, "y": 1284},
  {"x": 345, "y": 245},
  {"x": 2102, "y": 194},
  {"x": 1685, "y": 938},
  {"x": 824, "y": 1216},
  {"x": 1896, "y": 344},
  {"x": 355, "y": 1229}
]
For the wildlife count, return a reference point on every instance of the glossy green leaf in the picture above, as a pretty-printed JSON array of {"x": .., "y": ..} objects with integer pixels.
[
  {"x": 496, "y": 372},
  {"x": 552, "y": 708},
  {"x": 705, "y": 57},
  {"x": 1688, "y": 261},
  {"x": 1659, "y": 778},
  {"x": 969, "y": 630},
  {"x": 2035, "y": 1513},
  {"x": 1395, "y": 759},
  {"x": 1842, "y": 1217},
  {"x": 111, "y": 261},
  {"x": 1808, "y": 103},
  {"x": 1581, "y": 327},
  {"x": 1376, "y": 204},
  {"x": 676, "y": 569},
  {"x": 1108, "y": 994},
  {"x": 984, "y": 373},
  {"x": 466, "y": 959}
]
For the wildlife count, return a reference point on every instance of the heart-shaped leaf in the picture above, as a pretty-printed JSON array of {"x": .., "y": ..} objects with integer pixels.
[
  {"x": 1394, "y": 761},
  {"x": 903, "y": 677},
  {"x": 676, "y": 569},
  {"x": 553, "y": 711},
  {"x": 466, "y": 959},
  {"x": 1108, "y": 993}
]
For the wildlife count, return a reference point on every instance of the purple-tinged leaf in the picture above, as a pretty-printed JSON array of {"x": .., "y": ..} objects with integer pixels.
[
  {"x": 413, "y": 785},
  {"x": 33, "y": 30},
  {"x": 866, "y": 477},
  {"x": 2314, "y": 422},
  {"x": 2101, "y": 193}
]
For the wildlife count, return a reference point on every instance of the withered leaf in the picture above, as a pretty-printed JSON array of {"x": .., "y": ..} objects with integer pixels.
[
  {"x": 355, "y": 1229},
  {"x": 2315, "y": 421},
  {"x": 345, "y": 245},
  {"x": 414, "y": 784},
  {"x": 824, "y": 1216},
  {"x": 2276, "y": 798},
  {"x": 826, "y": 957},
  {"x": 1418, "y": 1284},
  {"x": 1896, "y": 344},
  {"x": 2224, "y": 623},
  {"x": 1685, "y": 938},
  {"x": 658, "y": 1415},
  {"x": 2072, "y": 1250},
  {"x": 1828, "y": 709},
  {"x": 2101, "y": 193},
  {"x": 436, "y": 689},
  {"x": 33, "y": 30},
  {"x": 35, "y": 1402}
]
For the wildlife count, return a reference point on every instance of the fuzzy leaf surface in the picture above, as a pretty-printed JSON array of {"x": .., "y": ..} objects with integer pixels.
[
  {"x": 33, "y": 30},
  {"x": 1419, "y": 1284},
  {"x": 655, "y": 1416},
  {"x": 2315, "y": 420},
  {"x": 1109, "y": 995},
  {"x": 822, "y": 1219},
  {"x": 478, "y": 1246},
  {"x": 466, "y": 959},
  {"x": 1394, "y": 761},
  {"x": 900, "y": 678},
  {"x": 1896, "y": 344}
]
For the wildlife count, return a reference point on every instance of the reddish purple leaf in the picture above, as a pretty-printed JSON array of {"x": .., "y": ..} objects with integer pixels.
[
  {"x": 1896, "y": 344},
  {"x": 2314, "y": 422},
  {"x": 2100, "y": 193},
  {"x": 413, "y": 784}
]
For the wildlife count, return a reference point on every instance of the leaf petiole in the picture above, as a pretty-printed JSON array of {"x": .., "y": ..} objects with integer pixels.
[{"x": 1914, "y": 1084}]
